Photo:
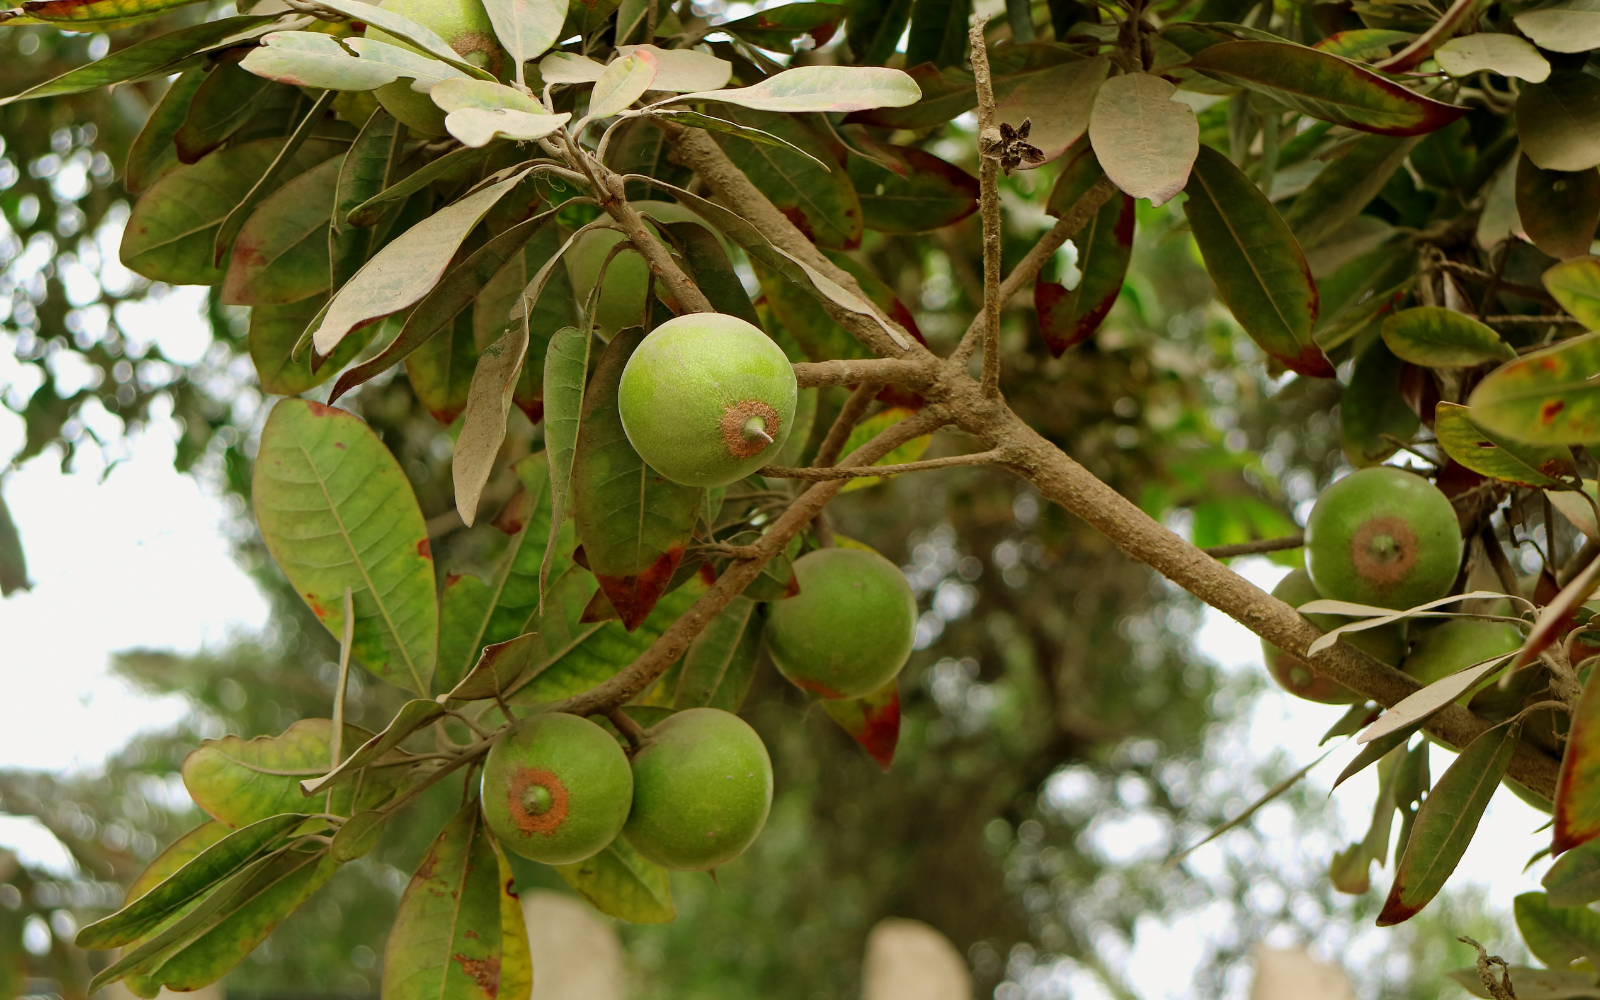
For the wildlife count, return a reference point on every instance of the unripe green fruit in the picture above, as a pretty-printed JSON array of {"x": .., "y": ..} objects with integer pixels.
[
  {"x": 622, "y": 298},
  {"x": 702, "y": 785},
  {"x": 465, "y": 27},
  {"x": 1387, "y": 643},
  {"x": 707, "y": 399},
  {"x": 849, "y": 630},
  {"x": 1383, "y": 537},
  {"x": 556, "y": 788},
  {"x": 1457, "y": 644}
]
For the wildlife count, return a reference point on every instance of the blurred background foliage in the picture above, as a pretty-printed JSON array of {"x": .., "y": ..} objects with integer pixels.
[{"x": 1062, "y": 735}]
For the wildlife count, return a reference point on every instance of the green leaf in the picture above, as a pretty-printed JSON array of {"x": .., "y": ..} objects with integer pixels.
[
  {"x": 1574, "y": 879},
  {"x": 171, "y": 234},
  {"x": 358, "y": 836},
  {"x": 336, "y": 510},
  {"x": 1576, "y": 286},
  {"x": 320, "y": 61},
  {"x": 634, "y": 524},
  {"x": 440, "y": 371},
  {"x": 1547, "y": 397},
  {"x": 223, "y": 104},
  {"x": 870, "y": 428},
  {"x": 1577, "y": 803},
  {"x": 13, "y": 564},
  {"x": 403, "y": 272},
  {"x": 1324, "y": 86},
  {"x": 274, "y": 330},
  {"x": 152, "y": 154},
  {"x": 566, "y": 369},
  {"x": 1145, "y": 140},
  {"x": 873, "y": 28},
  {"x": 1562, "y": 26},
  {"x": 1533, "y": 466},
  {"x": 776, "y": 28},
  {"x": 938, "y": 32},
  {"x": 89, "y": 14},
  {"x": 872, "y": 721},
  {"x": 483, "y": 423},
  {"x": 526, "y": 28},
  {"x": 446, "y": 941},
  {"x": 1344, "y": 187},
  {"x": 1534, "y": 984},
  {"x": 208, "y": 855},
  {"x": 272, "y": 179},
  {"x": 1507, "y": 55},
  {"x": 908, "y": 190},
  {"x": 1558, "y": 121},
  {"x": 1446, "y": 822},
  {"x": 405, "y": 29},
  {"x": 819, "y": 200},
  {"x": 361, "y": 178},
  {"x": 241, "y": 781},
  {"x": 1558, "y": 210},
  {"x": 1557, "y": 937},
  {"x": 721, "y": 661},
  {"x": 622, "y": 884},
  {"x": 380, "y": 750},
  {"x": 281, "y": 254},
  {"x": 451, "y": 165},
  {"x": 1436, "y": 337},
  {"x": 624, "y": 81},
  {"x": 804, "y": 89},
  {"x": 1372, "y": 410},
  {"x": 155, "y": 57},
  {"x": 1069, "y": 316},
  {"x": 1363, "y": 44},
  {"x": 1255, "y": 262}
]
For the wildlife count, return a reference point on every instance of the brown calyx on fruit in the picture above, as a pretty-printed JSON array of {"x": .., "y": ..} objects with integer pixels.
[
  {"x": 748, "y": 427},
  {"x": 1383, "y": 550},
  {"x": 537, "y": 800}
]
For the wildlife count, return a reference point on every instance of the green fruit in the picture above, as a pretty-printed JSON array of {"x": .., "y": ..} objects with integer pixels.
[
  {"x": 556, "y": 788},
  {"x": 849, "y": 630},
  {"x": 622, "y": 299},
  {"x": 465, "y": 27},
  {"x": 1387, "y": 643},
  {"x": 702, "y": 785},
  {"x": 707, "y": 399},
  {"x": 1383, "y": 537},
  {"x": 1457, "y": 644}
]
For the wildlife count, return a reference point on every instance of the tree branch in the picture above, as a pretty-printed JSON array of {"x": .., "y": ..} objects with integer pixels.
[
  {"x": 989, "y": 146},
  {"x": 849, "y": 415},
  {"x": 828, "y": 475},
  {"x": 1260, "y": 545},
  {"x": 884, "y": 371},
  {"x": 610, "y": 193}
]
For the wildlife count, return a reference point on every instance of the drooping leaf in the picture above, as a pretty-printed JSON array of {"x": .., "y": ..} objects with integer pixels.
[
  {"x": 1574, "y": 879},
  {"x": 916, "y": 193},
  {"x": 152, "y": 154},
  {"x": 1546, "y": 397},
  {"x": 172, "y": 231},
  {"x": 1419, "y": 705},
  {"x": 1562, "y": 26},
  {"x": 379, "y": 750},
  {"x": 818, "y": 199},
  {"x": 1145, "y": 140},
  {"x": 1577, "y": 804},
  {"x": 821, "y": 88},
  {"x": 1436, "y": 337},
  {"x": 1557, "y": 937},
  {"x": 720, "y": 663},
  {"x": 634, "y": 524},
  {"x": 1069, "y": 316},
  {"x": 274, "y": 330},
  {"x": 221, "y": 106},
  {"x": 566, "y": 369},
  {"x": 1058, "y": 104},
  {"x": 446, "y": 942},
  {"x": 281, "y": 254},
  {"x": 872, "y": 720},
  {"x": 1255, "y": 262},
  {"x": 1558, "y": 121},
  {"x": 336, "y": 510},
  {"x": 777, "y": 28},
  {"x": 318, "y": 60},
  {"x": 420, "y": 36},
  {"x": 1533, "y": 466},
  {"x": 1446, "y": 822},
  {"x": 1505, "y": 54},
  {"x": 1339, "y": 192},
  {"x": 483, "y": 426},
  {"x": 1558, "y": 210},
  {"x": 526, "y": 28},
  {"x": 362, "y": 174},
  {"x": 870, "y": 428},
  {"x": 1575, "y": 284},
  {"x": 622, "y": 884},
  {"x": 1373, "y": 414},
  {"x": 1324, "y": 86}
]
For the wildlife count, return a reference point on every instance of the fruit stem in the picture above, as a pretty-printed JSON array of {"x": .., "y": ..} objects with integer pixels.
[
  {"x": 757, "y": 427},
  {"x": 630, "y": 730}
]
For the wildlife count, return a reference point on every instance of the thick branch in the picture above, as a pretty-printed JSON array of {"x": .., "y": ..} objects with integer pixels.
[
  {"x": 828, "y": 475},
  {"x": 666, "y": 650},
  {"x": 884, "y": 371},
  {"x": 989, "y": 146},
  {"x": 614, "y": 200}
]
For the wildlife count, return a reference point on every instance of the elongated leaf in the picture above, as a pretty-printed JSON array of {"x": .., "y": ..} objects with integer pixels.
[
  {"x": 1558, "y": 121},
  {"x": 819, "y": 199},
  {"x": 622, "y": 884},
  {"x": 274, "y": 330},
  {"x": 1345, "y": 186},
  {"x": 1419, "y": 705},
  {"x": 477, "y": 127},
  {"x": 1069, "y": 316},
  {"x": 1435, "y": 337},
  {"x": 404, "y": 28},
  {"x": 1577, "y": 803},
  {"x": 379, "y": 750},
  {"x": 89, "y": 14},
  {"x": 872, "y": 721},
  {"x": 222, "y": 105},
  {"x": 1558, "y": 210},
  {"x": 916, "y": 193},
  {"x": 281, "y": 253},
  {"x": 622, "y": 83},
  {"x": 315, "y": 59},
  {"x": 405, "y": 271},
  {"x": 1459, "y": 14},
  {"x": 1372, "y": 412},
  {"x": 336, "y": 510},
  {"x": 219, "y": 854},
  {"x": 526, "y": 28},
  {"x": 1576, "y": 285},
  {"x": 1557, "y": 937},
  {"x": 152, "y": 154},
  {"x": 1534, "y": 466},
  {"x": 720, "y": 663},
  {"x": 1255, "y": 262},
  {"x": 361, "y": 177},
  {"x": 1546, "y": 397},
  {"x": 634, "y": 524},
  {"x": 566, "y": 368},
  {"x": 1562, "y": 26},
  {"x": 1145, "y": 140},
  {"x": 155, "y": 57},
  {"x": 446, "y": 941},
  {"x": 440, "y": 370},
  {"x": 1507, "y": 55},
  {"x": 822, "y": 88},
  {"x": 1446, "y": 822},
  {"x": 1324, "y": 86},
  {"x": 171, "y": 234},
  {"x": 1574, "y": 879},
  {"x": 483, "y": 427},
  {"x": 1374, "y": 752}
]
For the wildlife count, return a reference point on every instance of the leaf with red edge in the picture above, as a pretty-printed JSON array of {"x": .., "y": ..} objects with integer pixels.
[
  {"x": 1577, "y": 805},
  {"x": 440, "y": 371},
  {"x": 1068, "y": 316},
  {"x": 872, "y": 721},
  {"x": 777, "y": 28},
  {"x": 634, "y": 524},
  {"x": 1324, "y": 86}
]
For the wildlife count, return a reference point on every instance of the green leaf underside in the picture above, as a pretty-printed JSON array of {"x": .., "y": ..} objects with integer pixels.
[
  {"x": 1068, "y": 317},
  {"x": 720, "y": 662},
  {"x": 622, "y": 884}
]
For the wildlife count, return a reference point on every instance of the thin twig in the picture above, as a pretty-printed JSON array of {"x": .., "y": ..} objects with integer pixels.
[
  {"x": 1250, "y": 810},
  {"x": 989, "y": 146},
  {"x": 1499, "y": 990},
  {"x": 824, "y": 475},
  {"x": 1258, "y": 546},
  {"x": 630, "y": 730},
  {"x": 1498, "y": 561},
  {"x": 1556, "y": 320},
  {"x": 849, "y": 415}
]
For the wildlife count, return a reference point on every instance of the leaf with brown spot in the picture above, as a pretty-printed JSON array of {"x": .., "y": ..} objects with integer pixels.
[
  {"x": 634, "y": 523},
  {"x": 281, "y": 253},
  {"x": 1534, "y": 466},
  {"x": 1547, "y": 397},
  {"x": 872, "y": 721}
]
